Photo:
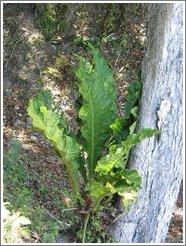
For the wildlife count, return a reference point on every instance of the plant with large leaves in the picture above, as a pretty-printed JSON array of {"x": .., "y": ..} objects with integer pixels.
[
  {"x": 54, "y": 128},
  {"x": 107, "y": 174},
  {"x": 97, "y": 88}
]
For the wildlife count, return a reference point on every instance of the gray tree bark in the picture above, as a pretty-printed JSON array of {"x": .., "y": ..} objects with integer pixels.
[{"x": 159, "y": 160}]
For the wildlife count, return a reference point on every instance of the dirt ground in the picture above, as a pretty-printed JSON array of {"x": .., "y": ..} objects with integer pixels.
[{"x": 32, "y": 62}]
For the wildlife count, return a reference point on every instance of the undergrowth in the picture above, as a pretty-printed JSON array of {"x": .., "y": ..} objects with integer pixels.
[
  {"x": 21, "y": 206},
  {"x": 50, "y": 19}
]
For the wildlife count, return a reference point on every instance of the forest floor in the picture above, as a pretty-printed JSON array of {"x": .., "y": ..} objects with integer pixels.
[{"x": 33, "y": 61}]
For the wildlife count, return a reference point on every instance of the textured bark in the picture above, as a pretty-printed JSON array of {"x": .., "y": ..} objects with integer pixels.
[{"x": 159, "y": 160}]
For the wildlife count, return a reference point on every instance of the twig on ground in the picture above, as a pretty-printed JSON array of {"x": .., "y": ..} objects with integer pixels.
[
  {"x": 69, "y": 209},
  {"x": 116, "y": 62},
  {"x": 53, "y": 217},
  {"x": 119, "y": 216}
]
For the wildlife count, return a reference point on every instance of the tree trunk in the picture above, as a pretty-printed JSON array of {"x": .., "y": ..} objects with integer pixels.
[{"x": 159, "y": 160}]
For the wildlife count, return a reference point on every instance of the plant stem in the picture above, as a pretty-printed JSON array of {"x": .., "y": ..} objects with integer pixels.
[
  {"x": 53, "y": 217},
  {"x": 85, "y": 227}
]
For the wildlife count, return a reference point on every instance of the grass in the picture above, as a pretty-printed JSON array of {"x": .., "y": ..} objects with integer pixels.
[
  {"x": 97, "y": 231},
  {"x": 21, "y": 197}
]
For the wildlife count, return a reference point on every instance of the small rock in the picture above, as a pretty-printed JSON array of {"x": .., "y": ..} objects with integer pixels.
[
  {"x": 45, "y": 144},
  {"x": 33, "y": 138},
  {"x": 17, "y": 122},
  {"x": 63, "y": 239},
  {"x": 16, "y": 107}
]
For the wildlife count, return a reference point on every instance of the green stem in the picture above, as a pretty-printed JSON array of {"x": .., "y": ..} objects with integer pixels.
[{"x": 85, "y": 227}]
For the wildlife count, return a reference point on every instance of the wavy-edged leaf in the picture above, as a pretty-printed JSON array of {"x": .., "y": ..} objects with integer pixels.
[
  {"x": 124, "y": 183},
  {"x": 132, "y": 177},
  {"x": 113, "y": 159},
  {"x": 118, "y": 156},
  {"x": 112, "y": 175},
  {"x": 136, "y": 138},
  {"x": 98, "y": 91},
  {"x": 50, "y": 124}
]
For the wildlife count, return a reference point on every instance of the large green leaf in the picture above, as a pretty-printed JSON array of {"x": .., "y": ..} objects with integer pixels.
[
  {"x": 51, "y": 125},
  {"x": 98, "y": 91}
]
